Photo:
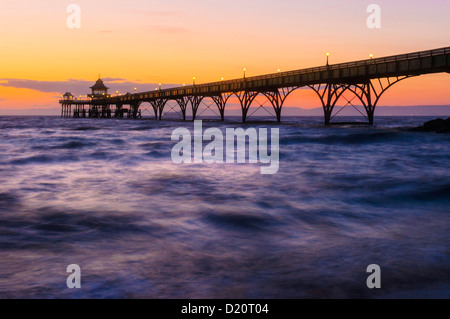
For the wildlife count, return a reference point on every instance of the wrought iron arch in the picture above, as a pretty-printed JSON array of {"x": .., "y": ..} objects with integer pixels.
[
  {"x": 278, "y": 97},
  {"x": 366, "y": 90},
  {"x": 331, "y": 95}
]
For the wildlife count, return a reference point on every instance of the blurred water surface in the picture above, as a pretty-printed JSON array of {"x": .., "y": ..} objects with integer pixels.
[{"x": 104, "y": 194}]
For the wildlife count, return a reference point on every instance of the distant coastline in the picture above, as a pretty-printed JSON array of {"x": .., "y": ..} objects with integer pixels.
[{"x": 415, "y": 110}]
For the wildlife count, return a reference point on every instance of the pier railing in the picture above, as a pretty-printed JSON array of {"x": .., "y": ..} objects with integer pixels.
[
  {"x": 278, "y": 77},
  {"x": 368, "y": 62},
  {"x": 368, "y": 68}
]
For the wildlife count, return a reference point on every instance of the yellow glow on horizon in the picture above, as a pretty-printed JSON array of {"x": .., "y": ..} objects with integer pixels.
[{"x": 423, "y": 90}]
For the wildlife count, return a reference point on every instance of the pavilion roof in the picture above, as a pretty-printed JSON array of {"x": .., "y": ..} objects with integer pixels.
[{"x": 99, "y": 85}]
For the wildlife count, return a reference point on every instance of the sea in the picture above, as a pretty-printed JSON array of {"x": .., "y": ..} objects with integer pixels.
[{"x": 104, "y": 194}]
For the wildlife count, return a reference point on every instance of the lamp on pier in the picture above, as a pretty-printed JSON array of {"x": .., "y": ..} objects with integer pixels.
[
  {"x": 193, "y": 79},
  {"x": 245, "y": 70},
  {"x": 328, "y": 56}
]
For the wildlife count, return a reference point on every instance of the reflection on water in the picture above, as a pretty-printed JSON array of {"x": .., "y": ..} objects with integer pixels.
[{"x": 105, "y": 194}]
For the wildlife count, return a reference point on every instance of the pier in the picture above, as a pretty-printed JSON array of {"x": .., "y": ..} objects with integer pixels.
[{"x": 367, "y": 80}]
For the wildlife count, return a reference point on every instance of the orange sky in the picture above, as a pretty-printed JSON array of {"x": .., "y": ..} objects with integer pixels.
[{"x": 171, "y": 41}]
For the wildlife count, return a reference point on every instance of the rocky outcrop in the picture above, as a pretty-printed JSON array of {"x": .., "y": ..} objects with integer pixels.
[{"x": 438, "y": 126}]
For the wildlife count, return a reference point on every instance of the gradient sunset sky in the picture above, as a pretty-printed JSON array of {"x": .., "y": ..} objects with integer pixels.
[{"x": 138, "y": 43}]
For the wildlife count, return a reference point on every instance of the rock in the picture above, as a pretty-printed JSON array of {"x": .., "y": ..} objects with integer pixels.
[
  {"x": 446, "y": 126},
  {"x": 438, "y": 126}
]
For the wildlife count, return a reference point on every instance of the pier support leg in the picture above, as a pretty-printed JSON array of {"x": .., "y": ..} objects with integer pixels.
[
  {"x": 277, "y": 99},
  {"x": 370, "y": 92},
  {"x": 104, "y": 111},
  {"x": 162, "y": 103},
  {"x": 246, "y": 98},
  {"x": 134, "y": 108},
  {"x": 221, "y": 102},
  {"x": 93, "y": 111},
  {"x": 370, "y": 115},
  {"x": 118, "y": 112},
  {"x": 195, "y": 104},
  {"x": 370, "y": 108},
  {"x": 158, "y": 107},
  {"x": 183, "y": 102},
  {"x": 329, "y": 95},
  {"x": 155, "y": 107},
  {"x": 328, "y": 111}
]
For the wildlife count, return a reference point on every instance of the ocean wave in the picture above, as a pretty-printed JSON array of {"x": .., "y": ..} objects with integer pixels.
[
  {"x": 86, "y": 128},
  {"x": 47, "y": 228},
  {"x": 353, "y": 138},
  {"x": 432, "y": 194},
  {"x": 8, "y": 201},
  {"x": 73, "y": 145},
  {"x": 36, "y": 159},
  {"x": 241, "y": 221}
]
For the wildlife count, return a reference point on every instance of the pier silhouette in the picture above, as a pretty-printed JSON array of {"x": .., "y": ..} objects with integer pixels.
[{"x": 367, "y": 80}]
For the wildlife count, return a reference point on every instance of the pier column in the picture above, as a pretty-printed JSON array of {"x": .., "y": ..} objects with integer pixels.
[
  {"x": 195, "y": 104},
  {"x": 66, "y": 111},
  {"x": 161, "y": 105},
  {"x": 370, "y": 92},
  {"x": 246, "y": 98},
  {"x": 158, "y": 107},
  {"x": 221, "y": 101},
  {"x": 328, "y": 111},
  {"x": 134, "y": 108},
  {"x": 93, "y": 112},
  {"x": 329, "y": 95},
  {"x": 365, "y": 93},
  {"x": 183, "y": 102},
  {"x": 370, "y": 108},
  {"x": 118, "y": 112},
  {"x": 155, "y": 107},
  {"x": 277, "y": 99}
]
